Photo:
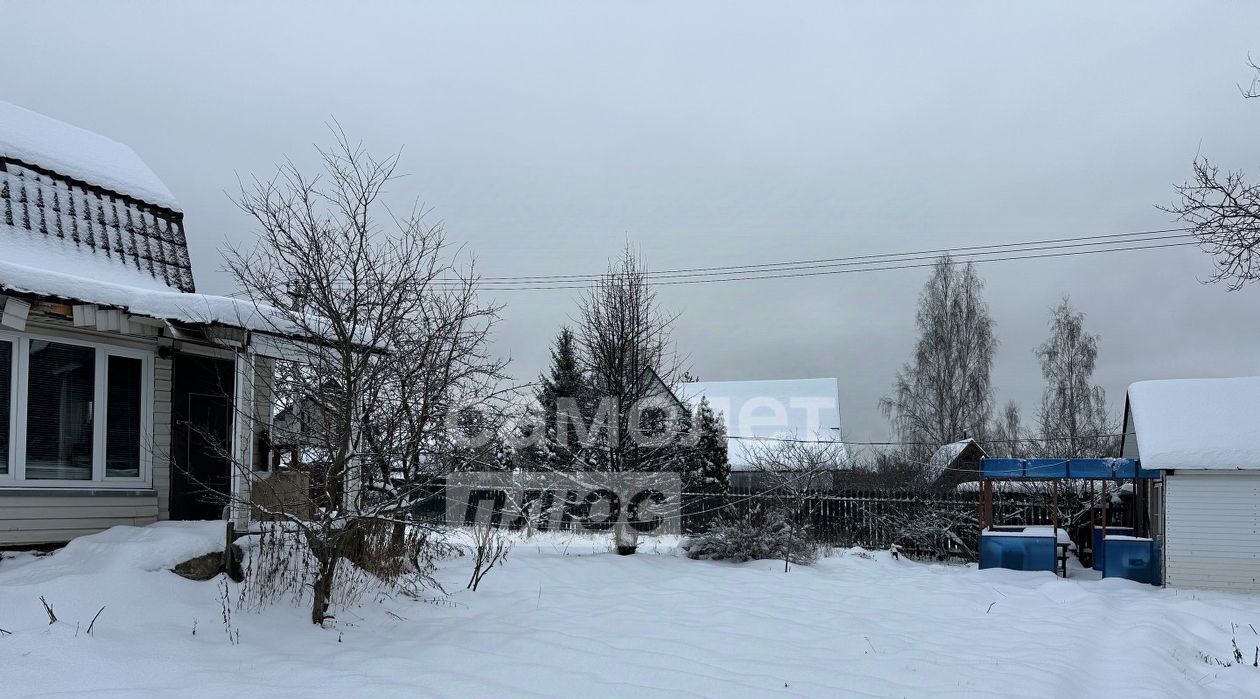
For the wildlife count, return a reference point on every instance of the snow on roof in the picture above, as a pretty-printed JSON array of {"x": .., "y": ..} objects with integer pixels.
[
  {"x": 68, "y": 150},
  {"x": 1197, "y": 423},
  {"x": 945, "y": 455},
  {"x": 111, "y": 286},
  {"x": 806, "y": 409}
]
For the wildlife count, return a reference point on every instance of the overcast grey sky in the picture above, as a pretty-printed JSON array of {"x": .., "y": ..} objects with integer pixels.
[{"x": 546, "y": 135}]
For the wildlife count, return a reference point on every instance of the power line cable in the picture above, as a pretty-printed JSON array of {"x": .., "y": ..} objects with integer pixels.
[
  {"x": 992, "y": 248},
  {"x": 1009, "y": 258}
]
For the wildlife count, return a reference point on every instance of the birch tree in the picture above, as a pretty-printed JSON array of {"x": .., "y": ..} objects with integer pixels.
[
  {"x": 944, "y": 393},
  {"x": 1073, "y": 417},
  {"x": 1006, "y": 437}
]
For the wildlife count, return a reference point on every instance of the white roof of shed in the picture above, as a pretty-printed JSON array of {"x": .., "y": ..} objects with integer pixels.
[
  {"x": 806, "y": 409},
  {"x": 68, "y": 150},
  {"x": 1197, "y": 423}
]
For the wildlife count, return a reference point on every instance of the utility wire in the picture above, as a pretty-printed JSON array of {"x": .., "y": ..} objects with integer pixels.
[
  {"x": 994, "y": 248},
  {"x": 970, "y": 257},
  {"x": 851, "y": 271},
  {"x": 1032, "y": 249},
  {"x": 1007, "y": 255}
]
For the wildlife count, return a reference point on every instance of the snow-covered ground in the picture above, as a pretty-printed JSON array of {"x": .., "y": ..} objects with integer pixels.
[{"x": 565, "y": 616}]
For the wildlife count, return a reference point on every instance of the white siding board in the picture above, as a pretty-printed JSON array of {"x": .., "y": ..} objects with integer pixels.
[{"x": 1212, "y": 532}]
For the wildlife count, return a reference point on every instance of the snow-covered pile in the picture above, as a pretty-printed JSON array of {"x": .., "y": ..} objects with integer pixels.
[
  {"x": 1197, "y": 423},
  {"x": 566, "y": 616},
  {"x": 68, "y": 150}
]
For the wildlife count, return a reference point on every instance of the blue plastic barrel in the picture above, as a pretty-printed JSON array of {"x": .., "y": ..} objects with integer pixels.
[
  {"x": 1017, "y": 552},
  {"x": 1132, "y": 559},
  {"x": 1099, "y": 551}
]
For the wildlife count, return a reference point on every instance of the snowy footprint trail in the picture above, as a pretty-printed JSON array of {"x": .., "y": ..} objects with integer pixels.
[{"x": 566, "y": 617}]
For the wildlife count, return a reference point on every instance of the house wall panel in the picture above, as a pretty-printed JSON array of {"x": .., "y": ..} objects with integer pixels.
[
  {"x": 162, "y": 378},
  {"x": 43, "y": 517},
  {"x": 1210, "y": 535}
]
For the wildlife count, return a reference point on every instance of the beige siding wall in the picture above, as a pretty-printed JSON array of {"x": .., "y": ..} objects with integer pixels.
[
  {"x": 43, "y": 517},
  {"x": 162, "y": 435}
]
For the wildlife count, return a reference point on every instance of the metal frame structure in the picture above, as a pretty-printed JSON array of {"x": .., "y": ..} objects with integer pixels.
[{"x": 1057, "y": 470}]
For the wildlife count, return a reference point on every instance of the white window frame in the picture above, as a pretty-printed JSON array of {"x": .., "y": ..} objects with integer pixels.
[{"x": 16, "y": 477}]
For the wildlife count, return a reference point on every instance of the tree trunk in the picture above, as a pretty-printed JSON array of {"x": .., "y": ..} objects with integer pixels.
[
  {"x": 321, "y": 598},
  {"x": 626, "y": 538}
]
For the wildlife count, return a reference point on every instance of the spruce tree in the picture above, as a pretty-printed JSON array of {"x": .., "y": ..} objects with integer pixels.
[
  {"x": 714, "y": 472},
  {"x": 563, "y": 381}
]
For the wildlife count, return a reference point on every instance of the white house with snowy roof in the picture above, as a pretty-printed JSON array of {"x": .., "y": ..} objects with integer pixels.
[
  {"x": 124, "y": 395},
  {"x": 761, "y": 413},
  {"x": 1203, "y": 436}
]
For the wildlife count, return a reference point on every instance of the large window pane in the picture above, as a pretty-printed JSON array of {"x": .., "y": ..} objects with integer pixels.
[
  {"x": 6, "y": 393},
  {"x": 61, "y": 384},
  {"x": 122, "y": 417}
]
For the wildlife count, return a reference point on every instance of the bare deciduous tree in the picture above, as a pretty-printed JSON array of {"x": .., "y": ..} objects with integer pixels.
[
  {"x": 1223, "y": 211},
  {"x": 490, "y": 547},
  {"x": 628, "y": 358},
  {"x": 384, "y": 340},
  {"x": 1073, "y": 414},
  {"x": 944, "y": 393},
  {"x": 1006, "y": 436}
]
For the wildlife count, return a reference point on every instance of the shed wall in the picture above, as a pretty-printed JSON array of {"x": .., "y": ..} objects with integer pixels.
[{"x": 1212, "y": 530}]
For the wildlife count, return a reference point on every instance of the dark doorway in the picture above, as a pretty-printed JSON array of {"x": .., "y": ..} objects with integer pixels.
[{"x": 201, "y": 428}]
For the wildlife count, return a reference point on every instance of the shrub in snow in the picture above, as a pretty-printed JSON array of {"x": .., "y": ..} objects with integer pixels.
[{"x": 760, "y": 534}]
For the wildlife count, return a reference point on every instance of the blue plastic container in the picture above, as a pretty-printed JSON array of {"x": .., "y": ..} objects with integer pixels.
[
  {"x": 1017, "y": 552},
  {"x": 1046, "y": 468},
  {"x": 1099, "y": 551},
  {"x": 1095, "y": 469},
  {"x": 1132, "y": 559},
  {"x": 1002, "y": 468}
]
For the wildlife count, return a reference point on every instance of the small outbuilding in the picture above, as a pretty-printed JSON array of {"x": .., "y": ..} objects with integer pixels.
[
  {"x": 955, "y": 463},
  {"x": 1203, "y": 436}
]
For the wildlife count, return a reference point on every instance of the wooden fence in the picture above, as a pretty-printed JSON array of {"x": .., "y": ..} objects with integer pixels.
[{"x": 923, "y": 524}]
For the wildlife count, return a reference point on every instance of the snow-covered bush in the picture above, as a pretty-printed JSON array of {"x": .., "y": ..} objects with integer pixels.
[{"x": 760, "y": 534}]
